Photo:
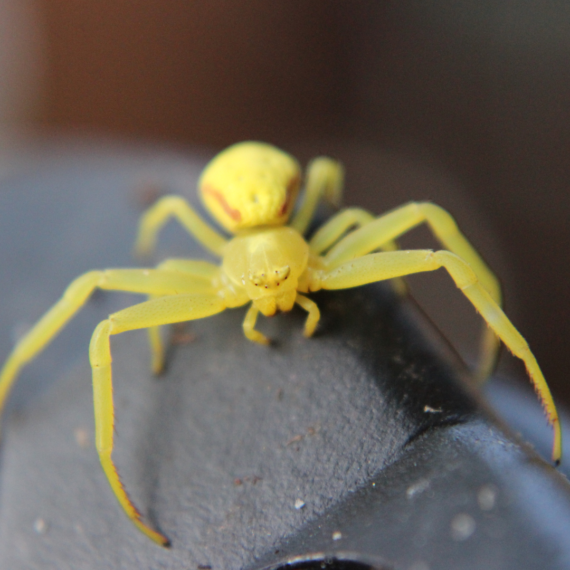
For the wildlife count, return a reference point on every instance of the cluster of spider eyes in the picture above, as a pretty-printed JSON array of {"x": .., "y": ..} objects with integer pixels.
[{"x": 261, "y": 279}]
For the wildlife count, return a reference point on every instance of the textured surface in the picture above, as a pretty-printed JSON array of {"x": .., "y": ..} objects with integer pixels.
[
  {"x": 220, "y": 451},
  {"x": 304, "y": 420}
]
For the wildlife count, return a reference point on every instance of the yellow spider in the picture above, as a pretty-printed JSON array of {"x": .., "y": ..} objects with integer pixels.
[{"x": 250, "y": 189}]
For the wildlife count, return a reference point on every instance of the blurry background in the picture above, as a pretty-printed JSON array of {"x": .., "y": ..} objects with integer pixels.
[{"x": 464, "y": 102}]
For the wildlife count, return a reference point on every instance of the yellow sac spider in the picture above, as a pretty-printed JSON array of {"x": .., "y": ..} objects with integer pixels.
[{"x": 251, "y": 188}]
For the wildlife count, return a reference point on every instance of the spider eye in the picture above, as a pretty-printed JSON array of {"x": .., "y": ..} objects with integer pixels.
[{"x": 271, "y": 278}]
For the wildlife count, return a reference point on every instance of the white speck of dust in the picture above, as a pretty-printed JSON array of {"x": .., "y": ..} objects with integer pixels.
[
  {"x": 40, "y": 526},
  {"x": 336, "y": 535},
  {"x": 417, "y": 488},
  {"x": 487, "y": 497},
  {"x": 299, "y": 504},
  {"x": 462, "y": 526}
]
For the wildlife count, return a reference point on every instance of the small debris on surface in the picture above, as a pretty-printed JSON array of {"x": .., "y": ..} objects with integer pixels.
[
  {"x": 78, "y": 527},
  {"x": 336, "y": 535},
  {"x": 311, "y": 430},
  {"x": 430, "y": 410},
  {"x": 204, "y": 567},
  {"x": 253, "y": 479},
  {"x": 40, "y": 526},
  {"x": 181, "y": 335},
  {"x": 299, "y": 504},
  {"x": 295, "y": 439},
  {"x": 81, "y": 437},
  {"x": 462, "y": 526}
]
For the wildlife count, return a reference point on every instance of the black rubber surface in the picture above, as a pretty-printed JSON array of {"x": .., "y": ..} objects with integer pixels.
[{"x": 359, "y": 448}]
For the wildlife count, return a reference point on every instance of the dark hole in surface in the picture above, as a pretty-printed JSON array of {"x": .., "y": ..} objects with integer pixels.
[{"x": 323, "y": 562}]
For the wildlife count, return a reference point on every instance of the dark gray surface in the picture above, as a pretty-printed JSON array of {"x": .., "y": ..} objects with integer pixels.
[
  {"x": 227, "y": 409},
  {"x": 217, "y": 451}
]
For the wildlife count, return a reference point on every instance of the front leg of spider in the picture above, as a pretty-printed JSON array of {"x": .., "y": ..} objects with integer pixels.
[
  {"x": 380, "y": 266},
  {"x": 382, "y": 230},
  {"x": 153, "y": 313}
]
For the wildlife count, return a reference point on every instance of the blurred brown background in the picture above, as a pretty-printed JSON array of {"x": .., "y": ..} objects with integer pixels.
[{"x": 466, "y": 102}]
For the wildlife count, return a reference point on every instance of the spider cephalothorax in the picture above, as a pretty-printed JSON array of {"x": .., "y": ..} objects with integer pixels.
[{"x": 250, "y": 189}]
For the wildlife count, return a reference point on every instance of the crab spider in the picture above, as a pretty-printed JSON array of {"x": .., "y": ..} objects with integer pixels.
[{"x": 250, "y": 189}]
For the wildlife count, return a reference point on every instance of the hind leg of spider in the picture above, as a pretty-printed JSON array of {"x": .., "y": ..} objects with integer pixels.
[
  {"x": 379, "y": 266},
  {"x": 336, "y": 227},
  {"x": 401, "y": 220},
  {"x": 153, "y": 313},
  {"x": 175, "y": 207},
  {"x": 146, "y": 281},
  {"x": 325, "y": 178}
]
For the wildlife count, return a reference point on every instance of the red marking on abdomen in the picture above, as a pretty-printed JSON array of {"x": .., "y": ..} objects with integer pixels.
[
  {"x": 291, "y": 187},
  {"x": 231, "y": 212}
]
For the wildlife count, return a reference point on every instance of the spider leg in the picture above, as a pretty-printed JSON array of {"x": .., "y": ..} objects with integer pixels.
[
  {"x": 249, "y": 326},
  {"x": 335, "y": 228},
  {"x": 174, "y": 206},
  {"x": 146, "y": 281},
  {"x": 304, "y": 302},
  {"x": 325, "y": 178},
  {"x": 160, "y": 311},
  {"x": 401, "y": 220},
  {"x": 197, "y": 268},
  {"x": 203, "y": 273},
  {"x": 379, "y": 266},
  {"x": 314, "y": 314}
]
